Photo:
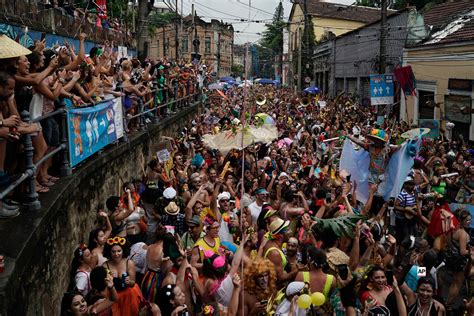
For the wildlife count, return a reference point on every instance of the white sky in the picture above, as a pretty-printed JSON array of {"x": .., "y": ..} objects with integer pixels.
[{"x": 231, "y": 10}]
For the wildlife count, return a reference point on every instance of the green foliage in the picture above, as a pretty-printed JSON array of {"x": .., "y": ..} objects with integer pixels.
[
  {"x": 273, "y": 34},
  {"x": 237, "y": 70},
  {"x": 419, "y": 4},
  {"x": 341, "y": 226},
  {"x": 162, "y": 19}
]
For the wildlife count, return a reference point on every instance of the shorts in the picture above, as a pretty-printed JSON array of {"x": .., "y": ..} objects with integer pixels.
[
  {"x": 127, "y": 102},
  {"x": 51, "y": 131}
]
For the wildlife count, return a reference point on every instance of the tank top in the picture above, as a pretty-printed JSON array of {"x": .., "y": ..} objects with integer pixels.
[
  {"x": 327, "y": 283},
  {"x": 440, "y": 188},
  {"x": 203, "y": 246},
  {"x": 284, "y": 262},
  {"x": 413, "y": 309}
]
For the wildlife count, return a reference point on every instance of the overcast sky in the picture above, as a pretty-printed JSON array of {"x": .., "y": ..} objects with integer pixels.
[{"x": 231, "y": 11}]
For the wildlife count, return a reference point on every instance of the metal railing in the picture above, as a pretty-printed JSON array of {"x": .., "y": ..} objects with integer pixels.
[
  {"x": 39, "y": 16},
  {"x": 29, "y": 175}
]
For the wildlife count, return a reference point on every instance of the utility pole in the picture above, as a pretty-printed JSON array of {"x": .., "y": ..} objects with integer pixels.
[
  {"x": 299, "y": 60},
  {"x": 182, "y": 16},
  {"x": 196, "y": 41},
  {"x": 306, "y": 40},
  {"x": 176, "y": 41},
  {"x": 218, "y": 54},
  {"x": 383, "y": 38}
]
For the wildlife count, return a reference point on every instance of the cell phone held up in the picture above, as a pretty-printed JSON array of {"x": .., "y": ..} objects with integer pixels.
[{"x": 343, "y": 271}]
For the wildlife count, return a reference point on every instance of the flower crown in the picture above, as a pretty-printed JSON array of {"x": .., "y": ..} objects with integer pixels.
[
  {"x": 116, "y": 240},
  {"x": 208, "y": 310},
  {"x": 82, "y": 249}
]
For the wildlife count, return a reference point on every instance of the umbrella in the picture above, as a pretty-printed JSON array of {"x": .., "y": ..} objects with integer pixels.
[
  {"x": 312, "y": 90},
  {"x": 227, "y": 140},
  {"x": 266, "y": 81},
  {"x": 226, "y": 79},
  {"x": 215, "y": 86},
  {"x": 267, "y": 119}
]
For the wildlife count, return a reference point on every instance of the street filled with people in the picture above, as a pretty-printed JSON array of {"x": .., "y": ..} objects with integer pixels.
[
  {"x": 280, "y": 227},
  {"x": 271, "y": 201}
]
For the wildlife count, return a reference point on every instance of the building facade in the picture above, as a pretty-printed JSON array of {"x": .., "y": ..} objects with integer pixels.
[
  {"x": 443, "y": 66},
  {"x": 328, "y": 20},
  {"x": 214, "y": 41},
  {"x": 345, "y": 62}
]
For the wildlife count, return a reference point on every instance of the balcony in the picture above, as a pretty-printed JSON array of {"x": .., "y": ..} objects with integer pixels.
[{"x": 43, "y": 18}]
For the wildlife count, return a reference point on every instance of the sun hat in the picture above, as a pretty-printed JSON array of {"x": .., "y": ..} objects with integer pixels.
[
  {"x": 294, "y": 287},
  {"x": 278, "y": 225},
  {"x": 172, "y": 208},
  {"x": 9, "y": 48},
  {"x": 223, "y": 195},
  {"x": 270, "y": 213},
  {"x": 169, "y": 193},
  {"x": 379, "y": 134}
]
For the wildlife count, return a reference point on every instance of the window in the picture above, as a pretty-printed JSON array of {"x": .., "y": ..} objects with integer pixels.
[
  {"x": 207, "y": 43},
  {"x": 426, "y": 102},
  {"x": 184, "y": 44}
]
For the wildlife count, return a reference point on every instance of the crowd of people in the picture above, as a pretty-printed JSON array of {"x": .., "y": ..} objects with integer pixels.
[
  {"x": 279, "y": 228},
  {"x": 41, "y": 80}
]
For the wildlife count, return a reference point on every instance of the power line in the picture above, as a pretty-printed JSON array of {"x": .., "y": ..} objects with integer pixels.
[
  {"x": 251, "y": 7},
  {"x": 202, "y": 5}
]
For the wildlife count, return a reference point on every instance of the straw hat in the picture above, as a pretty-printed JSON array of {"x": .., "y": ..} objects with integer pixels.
[
  {"x": 278, "y": 225},
  {"x": 172, "y": 209},
  {"x": 9, "y": 48}
]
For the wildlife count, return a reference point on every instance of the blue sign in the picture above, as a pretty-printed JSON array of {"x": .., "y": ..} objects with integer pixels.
[
  {"x": 91, "y": 129},
  {"x": 381, "y": 89}
]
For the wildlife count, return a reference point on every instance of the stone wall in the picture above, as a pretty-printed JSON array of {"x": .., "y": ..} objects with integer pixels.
[{"x": 39, "y": 246}]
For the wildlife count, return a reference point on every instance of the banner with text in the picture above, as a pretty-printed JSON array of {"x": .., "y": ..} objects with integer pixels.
[{"x": 91, "y": 129}]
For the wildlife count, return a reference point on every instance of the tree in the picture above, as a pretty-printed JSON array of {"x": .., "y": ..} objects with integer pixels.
[
  {"x": 419, "y": 4},
  {"x": 237, "y": 70},
  {"x": 273, "y": 35}
]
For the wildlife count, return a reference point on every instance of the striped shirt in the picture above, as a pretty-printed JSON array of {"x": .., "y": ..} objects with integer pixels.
[{"x": 406, "y": 200}]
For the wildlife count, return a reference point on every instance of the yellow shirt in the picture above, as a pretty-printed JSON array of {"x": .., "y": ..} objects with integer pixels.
[{"x": 203, "y": 246}]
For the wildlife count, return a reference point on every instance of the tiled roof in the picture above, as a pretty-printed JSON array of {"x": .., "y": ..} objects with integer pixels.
[
  {"x": 450, "y": 22},
  {"x": 443, "y": 13},
  {"x": 345, "y": 12}
]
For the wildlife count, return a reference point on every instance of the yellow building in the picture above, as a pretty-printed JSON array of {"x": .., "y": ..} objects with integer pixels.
[
  {"x": 329, "y": 20},
  {"x": 328, "y": 17},
  {"x": 443, "y": 65}
]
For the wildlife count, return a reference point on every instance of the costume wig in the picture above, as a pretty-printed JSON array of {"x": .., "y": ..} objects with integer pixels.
[{"x": 251, "y": 273}]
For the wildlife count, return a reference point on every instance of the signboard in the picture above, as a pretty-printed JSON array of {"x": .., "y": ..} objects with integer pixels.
[
  {"x": 433, "y": 125},
  {"x": 91, "y": 129},
  {"x": 453, "y": 105},
  {"x": 381, "y": 89}
]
